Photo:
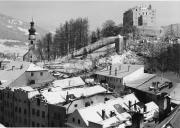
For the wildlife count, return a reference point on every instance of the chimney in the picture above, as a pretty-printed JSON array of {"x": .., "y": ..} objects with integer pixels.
[
  {"x": 135, "y": 107},
  {"x": 13, "y": 67},
  {"x": 119, "y": 67},
  {"x": 21, "y": 67},
  {"x": 67, "y": 97},
  {"x": 129, "y": 105},
  {"x": 128, "y": 67},
  {"x": 145, "y": 108},
  {"x": 103, "y": 114},
  {"x": 112, "y": 113},
  {"x": 116, "y": 72}
]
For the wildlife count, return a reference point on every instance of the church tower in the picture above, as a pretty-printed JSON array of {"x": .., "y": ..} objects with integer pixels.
[
  {"x": 32, "y": 33},
  {"x": 33, "y": 55}
]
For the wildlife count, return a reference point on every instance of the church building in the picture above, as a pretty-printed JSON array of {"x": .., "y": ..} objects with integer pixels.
[{"x": 33, "y": 54}]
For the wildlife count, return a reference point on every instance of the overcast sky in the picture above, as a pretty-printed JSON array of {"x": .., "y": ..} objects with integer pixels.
[{"x": 49, "y": 14}]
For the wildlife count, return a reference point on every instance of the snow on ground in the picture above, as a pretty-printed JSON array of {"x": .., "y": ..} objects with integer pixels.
[
  {"x": 23, "y": 30},
  {"x": 9, "y": 26},
  {"x": 16, "y": 49},
  {"x": 7, "y": 40},
  {"x": 128, "y": 57}
]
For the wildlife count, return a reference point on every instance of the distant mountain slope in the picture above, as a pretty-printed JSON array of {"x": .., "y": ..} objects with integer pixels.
[
  {"x": 14, "y": 35},
  {"x": 14, "y": 29}
]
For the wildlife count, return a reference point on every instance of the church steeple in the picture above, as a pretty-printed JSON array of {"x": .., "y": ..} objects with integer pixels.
[{"x": 32, "y": 31}]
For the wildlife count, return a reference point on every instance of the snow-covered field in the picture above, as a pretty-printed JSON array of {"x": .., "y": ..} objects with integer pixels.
[{"x": 21, "y": 50}]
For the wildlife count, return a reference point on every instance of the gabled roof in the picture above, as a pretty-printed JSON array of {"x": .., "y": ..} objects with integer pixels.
[
  {"x": 118, "y": 105},
  {"x": 69, "y": 82},
  {"x": 151, "y": 106},
  {"x": 130, "y": 97},
  {"x": 14, "y": 70}
]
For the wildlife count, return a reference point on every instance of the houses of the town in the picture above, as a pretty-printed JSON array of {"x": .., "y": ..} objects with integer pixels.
[
  {"x": 113, "y": 113},
  {"x": 117, "y": 75}
]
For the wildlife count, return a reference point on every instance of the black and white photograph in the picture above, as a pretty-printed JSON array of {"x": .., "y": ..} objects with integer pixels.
[{"x": 90, "y": 63}]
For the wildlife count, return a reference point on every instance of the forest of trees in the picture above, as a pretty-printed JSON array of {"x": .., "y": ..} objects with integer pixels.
[
  {"x": 164, "y": 57},
  {"x": 74, "y": 34},
  {"x": 70, "y": 36}
]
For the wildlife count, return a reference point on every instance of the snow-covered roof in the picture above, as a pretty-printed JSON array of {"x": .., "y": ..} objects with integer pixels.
[
  {"x": 25, "y": 88},
  {"x": 119, "y": 118},
  {"x": 13, "y": 71},
  {"x": 33, "y": 67},
  {"x": 56, "y": 96},
  {"x": 142, "y": 78},
  {"x": 122, "y": 70},
  {"x": 93, "y": 113},
  {"x": 69, "y": 82},
  {"x": 16, "y": 69},
  {"x": 31, "y": 94},
  {"x": 151, "y": 106},
  {"x": 130, "y": 97}
]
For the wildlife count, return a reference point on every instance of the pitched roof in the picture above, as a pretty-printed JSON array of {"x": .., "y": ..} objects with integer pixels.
[
  {"x": 130, "y": 97},
  {"x": 141, "y": 79},
  {"x": 69, "y": 82},
  {"x": 122, "y": 70},
  {"x": 151, "y": 106},
  {"x": 93, "y": 113},
  {"x": 59, "y": 96},
  {"x": 12, "y": 72}
]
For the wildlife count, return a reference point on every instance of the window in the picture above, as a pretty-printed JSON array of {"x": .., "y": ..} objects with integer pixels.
[
  {"x": 42, "y": 125},
  {"x": 19, "y": 119},
  {"x": 79, "y": 121},
  {"x": 41, "y": 73},
  {"x": 38, "y": 102},
  {"x": 19, "y": 110},
  {"x": 43, "y": 114},
  {"x": 32, "y": 74},
  {"x": 52, "y": 124},
  {"x": 73, "y": 119},
  {"x": 32, "y": 82},
  {"x": 75, "y": 105},
  {"x": 25, "y": 121},
  {"x": 33, "y": 111},
  {"x": 33, "y": 124},
  {"x": 37, "y": 113},
  {"x": 16, "y": 109},
  {"x": 37, "y": 125},
  {"x": 87, "y": 104},
  {"x": 24, "y": 111}
]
